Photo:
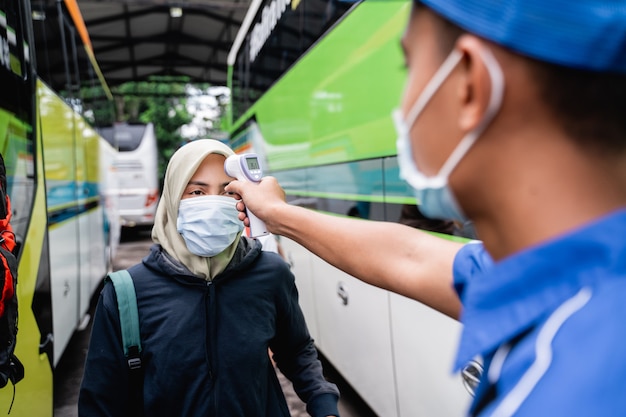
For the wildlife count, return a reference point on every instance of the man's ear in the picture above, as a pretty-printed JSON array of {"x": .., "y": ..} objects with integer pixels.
[{"x": 474, "y": 88}]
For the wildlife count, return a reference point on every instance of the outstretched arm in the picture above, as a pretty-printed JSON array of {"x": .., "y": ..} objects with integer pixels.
[{"x": 395, "y": 257}]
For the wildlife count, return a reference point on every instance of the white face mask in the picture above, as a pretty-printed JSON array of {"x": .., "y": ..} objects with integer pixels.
[
  {"x": 208, "y": 224},
  {"x": 434, "y": 195}
]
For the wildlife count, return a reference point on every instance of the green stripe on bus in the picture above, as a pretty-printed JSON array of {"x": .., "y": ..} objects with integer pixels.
[{"x": 353, "y": 197}]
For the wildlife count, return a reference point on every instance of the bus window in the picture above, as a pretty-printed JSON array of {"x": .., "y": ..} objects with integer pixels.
[
  {"x": 16, "y": 109},
  {"x": 126, "y": 138}
]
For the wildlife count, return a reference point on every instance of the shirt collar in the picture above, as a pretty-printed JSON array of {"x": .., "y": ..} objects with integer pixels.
[{"x": 523, "y": 289}]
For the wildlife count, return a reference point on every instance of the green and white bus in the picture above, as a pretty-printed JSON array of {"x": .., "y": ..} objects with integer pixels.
[
  {"x": 59, "y": 176},
  {"x": 313, "y": 86}
]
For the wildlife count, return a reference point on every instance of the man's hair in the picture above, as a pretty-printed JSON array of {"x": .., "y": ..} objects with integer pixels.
[{"x": 589, "y": 105}]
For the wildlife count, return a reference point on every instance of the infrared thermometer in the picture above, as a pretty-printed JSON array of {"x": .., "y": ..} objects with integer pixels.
[{"x": 246, "y": 167}]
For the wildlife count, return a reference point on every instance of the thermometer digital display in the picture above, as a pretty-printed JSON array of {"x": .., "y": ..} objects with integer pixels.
[{"x": 246, "y": 167}]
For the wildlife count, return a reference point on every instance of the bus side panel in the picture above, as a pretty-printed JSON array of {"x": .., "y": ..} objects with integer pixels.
[
  {"x": 92, "y": 239},
  {"x": 83, "y": 237},
  {"x": 109, "y": 198},
  {"x": 59, "y": 147},
  {"x": 335, "y": 103},
  {"x": 33, "y": 278},
  {"x": 353, "y": 320},
  {"x": 349, "y": 322},
  {"x": 75, "y": 217},
  {"x": 150, "y": 151},
  {"x": 424, "y": 345},
  {"x": 300, "y": 261}
]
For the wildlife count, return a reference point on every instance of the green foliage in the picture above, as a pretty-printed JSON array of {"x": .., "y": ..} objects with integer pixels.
[
  {"x": 94, "y": 105},
  {"x": 159, "y": 100},
  {"x": 167, "y": 117}
]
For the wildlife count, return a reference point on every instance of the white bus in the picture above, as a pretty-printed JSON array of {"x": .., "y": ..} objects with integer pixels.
[{"x": 137, "y": 169}]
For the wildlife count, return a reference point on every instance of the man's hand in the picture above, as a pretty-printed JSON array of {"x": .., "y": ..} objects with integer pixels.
[{"x": 263, "y": 199}]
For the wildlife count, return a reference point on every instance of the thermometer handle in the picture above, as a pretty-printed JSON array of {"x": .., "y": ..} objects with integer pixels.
[{"x": 257, "y": 226}]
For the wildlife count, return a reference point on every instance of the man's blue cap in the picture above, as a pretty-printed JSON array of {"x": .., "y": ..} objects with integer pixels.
[{"x": 584, "y": 34}]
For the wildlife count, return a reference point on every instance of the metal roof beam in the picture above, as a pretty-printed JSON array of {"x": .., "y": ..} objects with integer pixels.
[
  {"x": 117, "y": 42},
  {"x": 187, "y": 9},
  {"x": 164, "y": 60}
]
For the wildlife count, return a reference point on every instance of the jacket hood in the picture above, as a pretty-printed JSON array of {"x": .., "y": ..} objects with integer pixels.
[{"x": 181, "y": 167}]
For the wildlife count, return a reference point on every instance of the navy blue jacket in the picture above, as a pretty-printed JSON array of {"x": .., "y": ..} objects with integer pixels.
[{"x": 205, "y": 344}]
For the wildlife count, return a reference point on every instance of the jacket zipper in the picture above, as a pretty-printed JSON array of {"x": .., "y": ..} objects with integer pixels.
[
  {"x": 209, "y": 331},
  {"x": 211, "y": 340}
]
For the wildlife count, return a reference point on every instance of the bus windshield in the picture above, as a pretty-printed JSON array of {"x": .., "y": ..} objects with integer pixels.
[{"x": 126, "y": 139}]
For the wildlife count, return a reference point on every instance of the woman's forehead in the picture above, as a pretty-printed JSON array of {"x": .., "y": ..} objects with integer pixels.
[{"x": 211, "y": 168}]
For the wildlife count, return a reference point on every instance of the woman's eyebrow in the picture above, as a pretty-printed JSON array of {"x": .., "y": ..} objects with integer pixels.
[{"x": 196, "y": 182}]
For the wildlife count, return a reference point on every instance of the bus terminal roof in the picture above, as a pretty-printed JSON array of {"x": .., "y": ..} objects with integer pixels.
[{"x": 133, "y": 40}]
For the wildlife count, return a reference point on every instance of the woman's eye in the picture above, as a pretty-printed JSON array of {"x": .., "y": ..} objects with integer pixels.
[
  {"x": 229, "y": 194},
  {"x": 196, "y": 192}
]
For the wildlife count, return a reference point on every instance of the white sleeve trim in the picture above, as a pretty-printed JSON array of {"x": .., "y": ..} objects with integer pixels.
[{"x": 543, "y": 354}]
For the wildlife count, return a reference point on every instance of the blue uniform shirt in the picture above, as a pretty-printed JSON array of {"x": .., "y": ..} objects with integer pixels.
[{"x": 550, "y": 324}]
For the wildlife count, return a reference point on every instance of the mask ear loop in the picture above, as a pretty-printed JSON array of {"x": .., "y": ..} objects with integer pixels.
[
  {"x": 432, "y": 86},
  {"x": 495, "y": 102},
  {"x": 409, "y": 170}
]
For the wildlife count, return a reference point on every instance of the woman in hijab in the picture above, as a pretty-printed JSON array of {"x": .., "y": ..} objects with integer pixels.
[{"x": 211, "y": 303}]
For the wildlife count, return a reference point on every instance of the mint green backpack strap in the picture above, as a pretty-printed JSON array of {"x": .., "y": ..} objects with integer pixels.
[{"x": 129, "y": 318}]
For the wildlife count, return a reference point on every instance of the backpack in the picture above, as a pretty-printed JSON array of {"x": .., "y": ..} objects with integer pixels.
[
  {"x": 11, "y": 369},
  {"x": 131, "y": 341}
]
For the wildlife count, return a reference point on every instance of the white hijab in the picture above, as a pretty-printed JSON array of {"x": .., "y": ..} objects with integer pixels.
[{"x": 181, "y": 167}]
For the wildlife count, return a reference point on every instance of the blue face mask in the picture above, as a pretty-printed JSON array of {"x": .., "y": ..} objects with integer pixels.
[
  {"x": 208, "y": 224},
  {"x": 433, "y": 194}
]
